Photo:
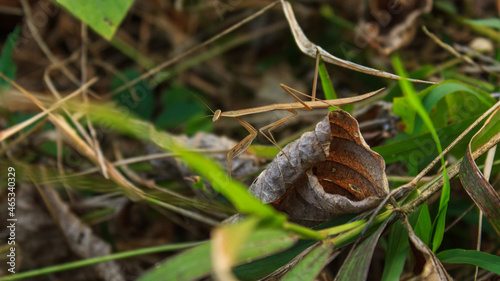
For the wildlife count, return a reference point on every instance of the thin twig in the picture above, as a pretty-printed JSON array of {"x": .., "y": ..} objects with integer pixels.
[
  {"x": 45, "y": 49},
  {"x": 428, "y": 190},
  {"x": 454, "y": 52}
]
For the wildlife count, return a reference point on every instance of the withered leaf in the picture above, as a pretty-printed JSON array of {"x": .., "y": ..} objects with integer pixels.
[
  {"x": 328, "y": 173},
  {"x": 390, "y": 25},
  {"x": 427, "y": 265}
]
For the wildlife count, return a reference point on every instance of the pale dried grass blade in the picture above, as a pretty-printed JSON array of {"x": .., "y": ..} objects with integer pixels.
[{"x": 18, "y": 127}]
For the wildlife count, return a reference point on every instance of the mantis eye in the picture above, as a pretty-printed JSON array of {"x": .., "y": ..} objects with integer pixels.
[{"x": 216, "y": 116}]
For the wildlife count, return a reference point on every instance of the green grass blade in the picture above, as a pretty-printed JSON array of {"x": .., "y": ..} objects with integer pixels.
[
  {"x": 91, "y": 261},
  {"x": 491, "y": 22},
  {"x": 236, "y": 192},
  {"x": 233, "y": 190},
  {"x": 326, "y": 82},
  {"x": 439, "y": 223},
  {"x": 483, "y": 260}
]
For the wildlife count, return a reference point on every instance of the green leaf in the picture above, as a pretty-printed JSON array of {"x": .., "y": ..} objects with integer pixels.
[
  {"x": 138, "y": 100},
  {"x": 472, "y": 101},
  {"x": 260, "y": 268},
  {"x": 265, "y": 242},
  {"x": 188, "y": 265},
  {"x": 418, "y": 147},
  {"x": 483, "y": 260},
  {"x": 196, "y": 263},
  {"x": 103, "y": 16},
  {"x": 7, "y": 65},
  {"x": 397, "y": 249},
  {"x": 357, "y": 263},
  {"x": 491, "y": 22},
  {"x": 311, "y": 264},
  {"x": 423, "y": 227}
]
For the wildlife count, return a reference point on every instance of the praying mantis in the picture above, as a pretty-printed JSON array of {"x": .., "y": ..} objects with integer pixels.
[{"x": 292, "y": 107}]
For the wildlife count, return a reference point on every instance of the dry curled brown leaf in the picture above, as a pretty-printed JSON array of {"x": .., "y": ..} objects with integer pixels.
[
  {"x": 427, "y": 266},
  {"x": 325, "y": 174},
  {"x": 390, "y": 25}
]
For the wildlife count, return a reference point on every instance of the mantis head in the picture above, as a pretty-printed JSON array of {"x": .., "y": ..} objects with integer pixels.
[{"x": 216, "y": 117}]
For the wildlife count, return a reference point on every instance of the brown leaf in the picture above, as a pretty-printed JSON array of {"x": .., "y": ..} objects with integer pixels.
[
  {"x": 390, "y": 25},
  {"x": 427, "y": 265},
  {"x": 331, "y": 172}
]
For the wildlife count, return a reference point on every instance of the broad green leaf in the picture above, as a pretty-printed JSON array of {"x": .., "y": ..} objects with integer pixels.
[
  {"x": 477, "y": 186},
  {"x": 196, "y": 263},
  {"x": 483, "y": 260},
  {"x": 139, "y": 99},
  {"x": 491, "y": 22},
  {"x": 356, "y": 265},
  {"x": 472, "y": 101},
  {"x": 7, "y": 65},
  {"x": 188, "y": 265},
  {"x": 311, "y": 264},
  {"x": 265, "y": 242},
  {"x": 103, "y": 16}
]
